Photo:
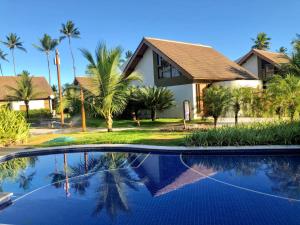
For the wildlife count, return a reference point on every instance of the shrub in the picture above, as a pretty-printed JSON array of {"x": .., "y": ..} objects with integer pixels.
[
  {"x": 13, "y": 127},
  {"x": 255, "y": 134}
]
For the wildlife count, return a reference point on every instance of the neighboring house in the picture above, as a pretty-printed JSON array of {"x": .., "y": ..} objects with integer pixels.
[
  {"x": 41, "y": 86},
  {"x": 263, "y": 64},
  {"x": 186, "y": 69}
]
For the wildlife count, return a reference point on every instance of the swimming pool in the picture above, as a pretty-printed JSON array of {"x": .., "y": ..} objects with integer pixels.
[{"x": 143, "y": 188}]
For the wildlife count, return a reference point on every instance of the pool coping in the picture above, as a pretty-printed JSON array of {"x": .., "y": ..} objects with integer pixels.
[{"x": 212, "y": 150}]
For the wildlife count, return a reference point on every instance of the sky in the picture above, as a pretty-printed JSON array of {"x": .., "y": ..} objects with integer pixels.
[{"x": 226, "y": 25}]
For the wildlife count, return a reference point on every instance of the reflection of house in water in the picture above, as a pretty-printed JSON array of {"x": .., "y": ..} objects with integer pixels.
[{"x": 164, "y": 174}]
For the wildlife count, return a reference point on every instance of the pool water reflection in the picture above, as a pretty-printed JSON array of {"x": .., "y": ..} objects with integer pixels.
[{"x": 132, "y": 188}]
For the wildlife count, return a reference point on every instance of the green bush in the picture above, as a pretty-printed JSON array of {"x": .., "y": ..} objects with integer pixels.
[
  {"x": 13, "y": 127},
  {"x": 38, "y": 113},
  {"x": 255, "y": 134}
]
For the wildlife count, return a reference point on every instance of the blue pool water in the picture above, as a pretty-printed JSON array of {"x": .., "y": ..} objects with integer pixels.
[{"x": 132, "y": 188}]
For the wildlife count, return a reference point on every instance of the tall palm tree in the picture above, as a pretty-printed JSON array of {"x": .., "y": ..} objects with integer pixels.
[
  {"x": 108, "y": 83},
  {"x": 13, "y": 42},
  {"x": 47, "y": 45},
  {"x": 70, "y": 31},
  {"x": 282, "y": 50},
  {"x": 262, "y": 41},
  {"x": 25, "y": 91},
  {"x": 2, "y": 57}
]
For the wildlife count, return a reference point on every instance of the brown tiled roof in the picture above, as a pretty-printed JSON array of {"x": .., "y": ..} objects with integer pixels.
[
  {"x": 40, "y": 84},
  {"x": 198, "y": 62},
  {"x": 274, "y": 58}
]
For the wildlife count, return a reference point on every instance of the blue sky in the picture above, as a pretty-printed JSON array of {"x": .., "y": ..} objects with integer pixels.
[{"x": 227, "y": 25}]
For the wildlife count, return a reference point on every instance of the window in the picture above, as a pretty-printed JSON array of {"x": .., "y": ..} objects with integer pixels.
[{"x": 165, "y": 69}]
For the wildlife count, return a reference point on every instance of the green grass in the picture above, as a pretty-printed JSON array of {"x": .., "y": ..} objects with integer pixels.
[
  {"x": 117, "y": 137},
  {"x": 283, "y": 133}
]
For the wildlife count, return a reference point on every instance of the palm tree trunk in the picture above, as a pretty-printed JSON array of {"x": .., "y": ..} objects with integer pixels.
[
  {"x": 215, "y": 121},
  {"x": 49, "y": 72},
  {"x": 236, "y": 118},
  {"x": 1, "y": 70},
  {"x": 14, "y": 63},
  {"x": 109, "y": 123},
  {"x": 153, "y": 114},
  {"x": 74, "y": 69},
  {"x": 27, "y": 109}
]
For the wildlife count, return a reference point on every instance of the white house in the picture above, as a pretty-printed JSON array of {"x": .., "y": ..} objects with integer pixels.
[
  {"x": 263, "y": 64},
  {"x": 42, "y": 100},
  {"x": 186, "y": 69}
]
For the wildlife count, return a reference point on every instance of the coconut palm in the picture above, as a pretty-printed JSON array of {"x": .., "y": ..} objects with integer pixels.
[
  {"x": 25, "y": 91},
  {"x": 70, "y": 31},
  {"x": 13, "y": 42},
  {"x": 109, "y": 85},
  {"x": 296, "y": 43},
  {"x": 216, "y": 101},
  {"x": 2, "y": 57},
  {"x": 282, "y": 50},
  {"x": 155, "y": 99},
  {"x": 262, "y": 41},
  {"x": 240, "y": 98},
  {"x": 128, "y": 55},
  {"x": 47, "y": 45}
]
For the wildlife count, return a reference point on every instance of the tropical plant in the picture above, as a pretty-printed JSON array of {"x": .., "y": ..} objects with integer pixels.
[
  {"x": 69, "y": 31},
  {"x": 262, "y": 41},
  {"x": 13, "y": 127},
  {"x": 285, "y": 93},
  {"x": 109, "y": 85},
  {"x": 240, "y": 98},
  {"x": 47, "y": 45},
  {"x": 128, "y": 54},
  {"x": 282, "y": 50},
  {"x": 155, "y": 99},
  {"x": 25, "y": 91},
  {"x": 13, "y": 42},
  {"x": 296, "y": 43},
  {"x": 2, "y": 57},
  {"x": 216, "y": 101},
  {"x": 258, "y": 103}
]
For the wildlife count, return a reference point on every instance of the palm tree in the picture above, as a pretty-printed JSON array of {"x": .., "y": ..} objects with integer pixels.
[
  {"x": 261, "y": 41},
  {"x": 240, "y": 97},
  {"x": 47, "y": 45},
  {"x": 2, "y": 57},
  {"x": 25, "y": 91},
  {"x": 13, "y": 42},
  {"x": 282, "y": 50},
  {"x": 156, "y": 99},
  {"x": 216, "y": 101},
  {"x": 296, "y": 43},
  {"x": 70, "y": 31},
  {"x": 109, "y": 85},
  {"x": 128, "y": 55}
]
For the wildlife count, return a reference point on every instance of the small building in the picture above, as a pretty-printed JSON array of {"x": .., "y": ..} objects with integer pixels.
[
  {"x": 186, "y": 69},
  {"x": 263, "y": 64},
  {"x": 43, "y": 99}
]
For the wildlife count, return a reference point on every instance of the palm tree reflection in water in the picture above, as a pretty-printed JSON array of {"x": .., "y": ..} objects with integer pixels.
[{"x": 113, "y": 177}]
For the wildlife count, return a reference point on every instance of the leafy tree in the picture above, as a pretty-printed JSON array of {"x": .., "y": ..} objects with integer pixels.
[
  {"x": 216, "y": 101},
  {"x": 282, "y": 50},
  {"x": 2, "y": 57},
  {"x": 47, "y": 45},
  {"x": 285, "y": 92},
  {"x": 155, "y": 99},
  {"x": 69, "y": 31},
  {"x": 13, "y": 42},
  {"x": 240, "y": 98},
  {"x": 262, "y": 41},
  {"x": 25, "y": 91},
  {"x": 109, "y": 85}
]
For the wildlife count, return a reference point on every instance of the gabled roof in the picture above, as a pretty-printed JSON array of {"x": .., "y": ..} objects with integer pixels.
[
  {"x": 40, "y": 84},
  {"x": 274, "y": 58},
  {"x": 198, "y": 62}
]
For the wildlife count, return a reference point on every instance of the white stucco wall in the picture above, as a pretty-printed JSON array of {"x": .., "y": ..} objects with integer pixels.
[
  {"x": 34, "y": 104},
  {"x": 240, "y": 83},
  {"x": 181, "y": 93},
  {"x": 252, "y": 65},
  {"x": 145, "y": 68}
]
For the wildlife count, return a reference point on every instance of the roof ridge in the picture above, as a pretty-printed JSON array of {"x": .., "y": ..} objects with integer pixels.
[
  {"x": 268, "y": 51},
  {"x": 179, "y": 42}
]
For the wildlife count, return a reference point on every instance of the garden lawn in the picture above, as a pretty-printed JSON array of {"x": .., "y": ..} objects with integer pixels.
[{"x": 148, "y": 137}]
